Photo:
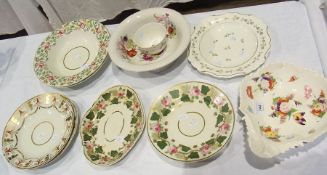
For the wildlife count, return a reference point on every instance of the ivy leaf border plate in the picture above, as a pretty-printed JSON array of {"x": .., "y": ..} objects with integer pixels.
[
  {"x": 112, "y": 126},
  {"x": 284, "y": 106},
  {"x": 72, "y": 53},
  {"x": 229, "y": 45},
  {"x": 190, "y": 122},
  {"x": 39, "y": 131}
]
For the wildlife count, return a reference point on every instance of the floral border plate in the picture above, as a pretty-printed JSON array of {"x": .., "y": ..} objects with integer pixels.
[
  {"x": 72, "y": 53},
  {"x": 229, "y": 45},
  {"x": 112, "y": 126},
  {"x": 127, "y": 55},
  {"x": 192, "y": 121},
  {"x": 39, "y": 131},
  {"x": 284, "y": 107}
]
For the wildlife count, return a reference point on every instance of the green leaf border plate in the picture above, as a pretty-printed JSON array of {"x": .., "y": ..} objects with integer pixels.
[
  {"x": 41, "y": 68},
  {"x": 97, "y": 148},
  {"x": 199, "y": 93}
]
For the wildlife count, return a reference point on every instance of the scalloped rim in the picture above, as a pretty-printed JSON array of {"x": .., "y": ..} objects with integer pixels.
[{"x": 252, "y": 135}]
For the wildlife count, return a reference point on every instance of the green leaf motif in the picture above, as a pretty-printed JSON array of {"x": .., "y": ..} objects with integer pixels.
[
  {"x": 174, "y": 93},
  {"x": 127, "y": 138},
  {"x": 86, "y": 137},
  {"x": 204, "y": 89},
  {"x": 100, "y": 115},
  {"x": 220, "y": 118},
  {"x": 210, "y": 142},
  {"x": 90, "y": 116},
  {"x": 114, "y": 101},
  {"x": 113, "y": 153},
  {"x": 185, "y": 98},
  {"x": 221, "y": 139},
  {"x": 93, "y": 131},
  {"x": 106, "y": 96},
  {"x": 185, "y": 148},
  {"x": 165, "y": 111},
  {"x": 129, "y": 94},
  {"x": 139, "y": 114},
  {"x": 161, "y": 144},
  {"x": 94, "y": 157},
  {"x": 99, "y": 149},
  {"x": 225, "y": 108},
  {"x": 128, "y": 104},
  {"x": 134, "y": 120},
  {"x": 155, "y": 116},
  {"x": 207, "y": 100},
  {"x": 194, "y": 155},
  {"x": 164, "y": 135}
]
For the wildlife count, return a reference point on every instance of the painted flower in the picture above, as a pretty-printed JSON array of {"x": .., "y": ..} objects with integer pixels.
[
  {"x": 101, "y": 105},
  {"x": 205, "y": 149},
  {"x": 195, "y": 91},
  {"x": 319, "y": 105},
  {"x": 266, "y": 82},
  {"x": 89, "y": 145},
  {"x": 132, "y": 52},
  {"x": 173, "y": 150},
  {"x": 307, "y": 91},
  {"x": 224, "y": 128},
  {"x": 299, "y": 118},
  {"x": 157, "y": 128},
  {"x": 219, "y": 100},
  {"x": 40, "y": 65},
  {"x": 170, "y": 29},
  {"x": 89, "y": 125},
  {"x": 270, "y": 133},
  {"x": 50, "y": 77},
  {"x": 147, "y": 57},
  {"x": 166, "y": 101},
  {"x": 136, "y": 106},
  {"x": 282, "y": 107},
  {"x": 120, "y": 94},
  {"x": 292, "y": 78},
  {"x": 249, "y": 92}
]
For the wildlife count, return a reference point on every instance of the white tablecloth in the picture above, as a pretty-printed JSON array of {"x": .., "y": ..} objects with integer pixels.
[{"x": 292, "y": 42}]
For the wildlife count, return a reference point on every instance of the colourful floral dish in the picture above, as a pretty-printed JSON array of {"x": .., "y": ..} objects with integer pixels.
[
  {"x": 72, "y": 53},
  {"x": 39, "y": 131},
  {"x": 284, "y": 106},
  {"x": 112, "y": 126},
  {"x": 229, "y": 45},
  {"x": 191, "y": 122},
  {"x": 149, "y": 40}
]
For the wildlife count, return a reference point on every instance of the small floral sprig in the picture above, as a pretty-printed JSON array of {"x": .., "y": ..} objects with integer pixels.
[
  {"x": 266, "y": 82},
  {"x": 164, "y": 19},
  {"x": 319, "y": 105},
  {"x": 270, "y": 133}
]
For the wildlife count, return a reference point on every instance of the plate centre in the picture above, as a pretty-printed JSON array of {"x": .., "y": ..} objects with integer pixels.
[
  {"x": 76, "y": 58},
  {"x": 114, "y": 126},
  {"x": 191, "y": 124},
  {"x": 42, "y": 133}
]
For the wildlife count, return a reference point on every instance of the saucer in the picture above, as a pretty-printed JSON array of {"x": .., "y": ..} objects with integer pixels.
[
  {"x": 229, "y": 45},
  {"x": 39, "y": 131},
  {"x": 190, "y": 122},
  {"x": 72, "y": 53},
  {"x": 125, "y": 52}
]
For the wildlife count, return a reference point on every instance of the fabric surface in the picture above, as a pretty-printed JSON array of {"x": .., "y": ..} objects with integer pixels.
[
  {"x": 9, "y": 21},
  {"x": 292, "y": 42}
]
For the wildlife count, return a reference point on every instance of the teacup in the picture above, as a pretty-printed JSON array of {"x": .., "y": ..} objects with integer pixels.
[{"x": 151, "y": 38}]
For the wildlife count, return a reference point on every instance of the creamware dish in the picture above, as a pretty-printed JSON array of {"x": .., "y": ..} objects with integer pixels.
[
  {"x": 284, "y": 106},
  {"x": 149, "y": 40},
  {"x": 190, "y": 122},
  {"x": 72, "y": 53},
  {"x": 112, "y": 126},
  {"x": 229, "y": 45},
  {"x": 39, "y": 131}
]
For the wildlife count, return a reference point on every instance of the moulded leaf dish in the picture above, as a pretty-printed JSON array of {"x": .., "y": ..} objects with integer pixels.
[
  {"x": 112, "y": 126},
  {"x": 284, "y": 107}
]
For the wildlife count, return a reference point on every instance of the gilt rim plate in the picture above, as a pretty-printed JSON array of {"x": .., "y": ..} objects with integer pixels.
[
  {"x": 112, "y": 126},
  {"x": 93, "y": 52},
  {"x": 126, "y": 54},
  {"x": 229, "y": 45},
  {"x": 178, "y": 123},
  {"x": 284, "y": 106},
  {"x": 22, "y": 154}
]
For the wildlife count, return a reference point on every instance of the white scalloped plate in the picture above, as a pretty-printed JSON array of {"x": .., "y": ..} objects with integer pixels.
[
  {"x": 284, "y": 107},
  {"x": 229, "y": 45}
]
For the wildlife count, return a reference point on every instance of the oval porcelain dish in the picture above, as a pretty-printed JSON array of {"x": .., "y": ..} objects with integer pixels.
[
  {"x": 284, "y": 106},
  {"x": 39, "y": 131},
  {"x": 112, "y": 126},
  {"x": 149, "y": 40},
  {"x": 72, "y": 53},
  {"x": 190, "y": 122},
  {"x": 229, "y": 45}
]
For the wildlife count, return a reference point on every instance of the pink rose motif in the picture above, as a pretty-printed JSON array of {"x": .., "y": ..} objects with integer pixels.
[
  {"x": 89, "y": 145},
  {"x": 50, "y": 77},
  {"x": 284, "y": 107},
  {"x": 121, "y": 94},
  {"x": 101, "y": 105},
  {"x": 307, "y": 91},
  {"x": 224, "y": 128},
  {"x": 219, "y": 100},
  {"x": 165, "y": 101},
  {"x": 205, "y": 149},
  {"x": 136, "y": 106},
  {"x": 89, "y": 125},
  {"x": 195, "y": 91},
  {"x": 157, "y": 128},
  {"x": 173, "y": 150}
]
